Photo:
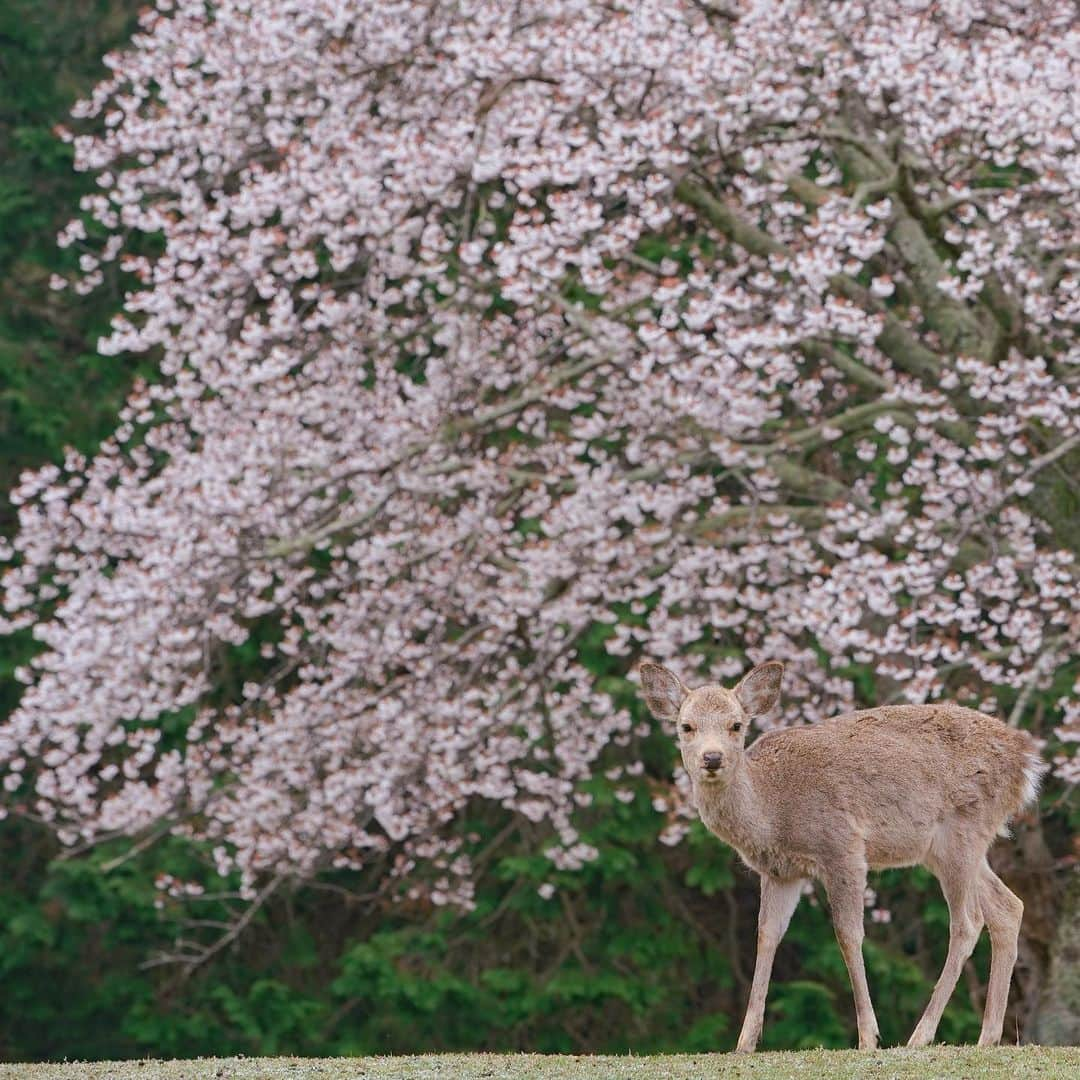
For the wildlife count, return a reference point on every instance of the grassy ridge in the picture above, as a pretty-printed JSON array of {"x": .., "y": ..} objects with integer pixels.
[{"x": 945, "y": 1062}]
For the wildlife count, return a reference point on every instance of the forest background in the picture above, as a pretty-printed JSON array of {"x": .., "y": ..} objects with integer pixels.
[{"x": 649, "y": 947}]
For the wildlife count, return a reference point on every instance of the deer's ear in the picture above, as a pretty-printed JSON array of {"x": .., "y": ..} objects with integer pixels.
[
  {"x": 759, "y": 690},
  {"x": 662, "y": 690}
]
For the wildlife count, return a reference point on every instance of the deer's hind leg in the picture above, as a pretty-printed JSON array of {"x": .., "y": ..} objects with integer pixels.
[
  {"x": 845, "y": 884},
  {"x": 959, "y": 872},
  {"x": 1003, "y": 911}
]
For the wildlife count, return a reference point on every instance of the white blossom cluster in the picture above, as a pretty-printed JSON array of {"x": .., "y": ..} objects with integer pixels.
[{"x": 746, "y": 329}]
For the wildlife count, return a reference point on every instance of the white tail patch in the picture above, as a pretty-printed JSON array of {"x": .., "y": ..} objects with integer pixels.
[{"x": 1034, "y": 771}]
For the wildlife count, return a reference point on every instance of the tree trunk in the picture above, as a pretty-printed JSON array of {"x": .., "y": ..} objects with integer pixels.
[{"x": 1057, "y": 1022}]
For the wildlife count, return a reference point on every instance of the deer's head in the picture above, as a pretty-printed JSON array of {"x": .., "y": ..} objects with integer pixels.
[{"x": 711, "y": 721}]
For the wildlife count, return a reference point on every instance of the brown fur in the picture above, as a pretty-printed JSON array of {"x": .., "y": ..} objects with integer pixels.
[{"x": 894, "y": 786}]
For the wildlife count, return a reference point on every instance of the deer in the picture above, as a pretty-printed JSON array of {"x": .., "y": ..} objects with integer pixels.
[{"x": 897, "y": 785}]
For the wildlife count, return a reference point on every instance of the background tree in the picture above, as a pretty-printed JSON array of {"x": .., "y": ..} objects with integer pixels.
[{"x": 495, "y": 342}]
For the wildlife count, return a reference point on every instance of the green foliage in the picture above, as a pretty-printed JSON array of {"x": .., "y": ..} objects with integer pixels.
[
  {"x": 54, "y": 388},
  {"x": 802, "y": 1015}
]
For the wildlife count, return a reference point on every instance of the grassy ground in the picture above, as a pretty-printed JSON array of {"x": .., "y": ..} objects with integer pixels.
[{"x": 945, "y": 1062}]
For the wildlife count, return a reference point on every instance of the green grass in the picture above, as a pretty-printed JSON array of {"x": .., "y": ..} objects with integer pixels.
[{"x": 946, "y": 1062}]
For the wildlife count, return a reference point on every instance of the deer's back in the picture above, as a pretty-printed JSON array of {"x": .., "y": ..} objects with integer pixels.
[{"x": 896, "y": 774}]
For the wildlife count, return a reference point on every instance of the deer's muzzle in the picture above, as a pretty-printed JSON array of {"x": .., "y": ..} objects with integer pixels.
[{"x": 712, "y": 761}]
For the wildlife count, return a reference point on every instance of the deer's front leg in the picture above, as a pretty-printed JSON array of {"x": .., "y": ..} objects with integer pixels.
[
  {"x": 778, "y": 902},
  {"x": 845, "y": 885}
]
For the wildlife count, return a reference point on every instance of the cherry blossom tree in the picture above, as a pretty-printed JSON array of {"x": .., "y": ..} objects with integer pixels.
[{"x": 742, "y": 330}]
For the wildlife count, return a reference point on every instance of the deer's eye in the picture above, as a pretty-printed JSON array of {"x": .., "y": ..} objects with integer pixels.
[
  {"x": 737, "y": 726},
  {"x": 688, "y": 729}
]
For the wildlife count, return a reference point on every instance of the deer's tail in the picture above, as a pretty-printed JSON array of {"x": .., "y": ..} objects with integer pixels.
[{"x": 1035, "y": 769}]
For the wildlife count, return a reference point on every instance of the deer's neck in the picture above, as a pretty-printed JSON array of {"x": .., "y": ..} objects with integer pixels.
[{"x": 735, "y": 812}]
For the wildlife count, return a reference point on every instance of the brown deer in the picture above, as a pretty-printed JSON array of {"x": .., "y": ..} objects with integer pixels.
[{"x": 893, "y": 786}]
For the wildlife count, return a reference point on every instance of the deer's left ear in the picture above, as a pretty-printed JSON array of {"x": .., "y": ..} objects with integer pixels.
[{"x": 759, "y": 690}]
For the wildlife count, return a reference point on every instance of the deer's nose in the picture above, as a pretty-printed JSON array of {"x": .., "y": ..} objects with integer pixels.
[{"x": 713, "y": 760}]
